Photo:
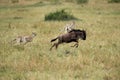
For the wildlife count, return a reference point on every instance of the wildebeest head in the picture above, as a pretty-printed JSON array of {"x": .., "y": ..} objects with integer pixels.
[{"x": 82, "y": 34}]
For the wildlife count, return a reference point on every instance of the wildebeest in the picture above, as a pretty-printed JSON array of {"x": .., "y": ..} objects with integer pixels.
[{"x": 72, "y": 36}]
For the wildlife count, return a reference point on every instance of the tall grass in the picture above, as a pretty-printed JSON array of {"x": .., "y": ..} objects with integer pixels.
[{"x": 97, "y": 58}]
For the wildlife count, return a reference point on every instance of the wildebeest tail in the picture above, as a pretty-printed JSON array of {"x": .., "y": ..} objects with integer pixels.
[{"x": 53, "y": 39}]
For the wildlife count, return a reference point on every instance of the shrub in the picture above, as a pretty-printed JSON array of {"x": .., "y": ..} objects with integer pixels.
[
  {"x": 114, "y": 1},
  {"x": 15, "y": 1},
  {"x": 56, "y": 1},
  {"x": 69, "y": 0},
  {"x": 81, "y": 1},
  {"x": 59, "y": 15}
]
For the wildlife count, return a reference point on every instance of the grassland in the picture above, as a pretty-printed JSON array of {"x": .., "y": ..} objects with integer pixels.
[{"x": 97, "y": 58}]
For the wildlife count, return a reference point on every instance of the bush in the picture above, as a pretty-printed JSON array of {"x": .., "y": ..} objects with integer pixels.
[
  {"x": 59, "y": 15},
  {"x": 114, "y": 1},
  {"x": 15, "y": 1},
  {"x": 69, "y": 0},
  {"x": 56, "y": 1},
  {"x": 81, "y": 1}
]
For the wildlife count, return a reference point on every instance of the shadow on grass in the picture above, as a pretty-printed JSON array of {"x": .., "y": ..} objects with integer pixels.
[{"x": 19, "y": 47}]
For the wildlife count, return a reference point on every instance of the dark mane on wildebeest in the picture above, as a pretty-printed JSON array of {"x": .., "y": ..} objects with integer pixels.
[{"x": 72, "y": 36}]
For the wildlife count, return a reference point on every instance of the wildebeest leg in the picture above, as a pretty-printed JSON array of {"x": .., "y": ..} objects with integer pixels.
[
  {"x": 75, "y": 45},
  {"x": 52, "y": 46},
  {"x": 55, "y": 44}
]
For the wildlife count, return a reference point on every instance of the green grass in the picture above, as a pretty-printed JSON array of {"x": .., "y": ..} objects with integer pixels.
[{"x": 97, "y": 58}]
